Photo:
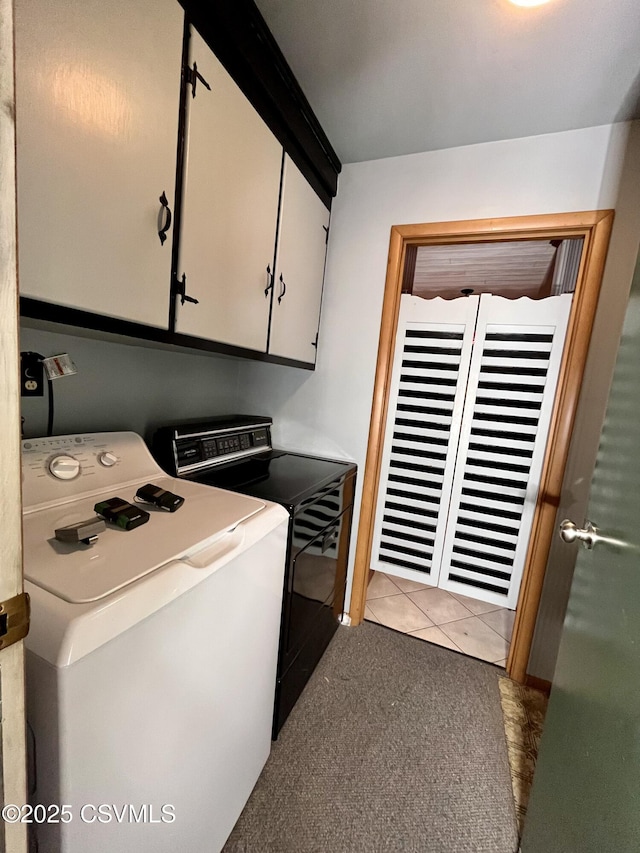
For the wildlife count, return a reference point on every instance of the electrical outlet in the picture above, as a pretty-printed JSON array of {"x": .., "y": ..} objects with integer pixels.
[{"x": 31, "y": 375}]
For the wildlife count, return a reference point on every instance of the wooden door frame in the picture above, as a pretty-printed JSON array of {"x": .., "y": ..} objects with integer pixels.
[
  {"x": 594, "y": 227},
  {"x": 13, "y": 781}
]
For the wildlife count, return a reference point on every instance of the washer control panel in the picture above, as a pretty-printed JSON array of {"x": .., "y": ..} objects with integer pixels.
[{"x": 63, "y": 467}]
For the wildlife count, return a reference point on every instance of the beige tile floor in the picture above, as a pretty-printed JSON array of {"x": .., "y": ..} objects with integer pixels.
[{"x": 466, "y": 625}]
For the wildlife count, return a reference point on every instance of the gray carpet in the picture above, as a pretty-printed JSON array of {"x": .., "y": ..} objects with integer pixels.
[{"x": 395, "y": 745}]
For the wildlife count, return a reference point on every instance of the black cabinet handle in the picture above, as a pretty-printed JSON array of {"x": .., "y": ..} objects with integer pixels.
[
  {"x": 283, "y": 289},
  {"x": 162, "y": 231},
  {"x": 270, "y": 277}
]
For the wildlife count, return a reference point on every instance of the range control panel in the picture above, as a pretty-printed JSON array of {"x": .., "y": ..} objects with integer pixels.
[{"x": 192, "y": 452}]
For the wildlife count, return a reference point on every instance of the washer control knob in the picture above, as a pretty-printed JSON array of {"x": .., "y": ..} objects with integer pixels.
[
  {"x": 64, "y": 467},
  {"x": 108, "y": 459}
]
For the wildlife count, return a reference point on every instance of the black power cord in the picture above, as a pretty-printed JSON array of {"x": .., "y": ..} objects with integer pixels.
[{"x": 50, "y": 415}]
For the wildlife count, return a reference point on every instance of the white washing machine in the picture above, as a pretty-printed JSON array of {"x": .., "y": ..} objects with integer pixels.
[{"x": 151, "y": 659}]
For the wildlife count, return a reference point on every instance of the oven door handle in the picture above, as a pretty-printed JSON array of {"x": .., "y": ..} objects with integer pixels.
[{"x": 330, "y": 537}]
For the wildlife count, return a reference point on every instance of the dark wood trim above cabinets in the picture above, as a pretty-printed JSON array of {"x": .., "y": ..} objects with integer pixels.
[{"x": 238, "y": 35}]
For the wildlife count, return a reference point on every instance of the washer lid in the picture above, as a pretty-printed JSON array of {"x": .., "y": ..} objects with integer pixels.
[{"x": 83, "y": 573}]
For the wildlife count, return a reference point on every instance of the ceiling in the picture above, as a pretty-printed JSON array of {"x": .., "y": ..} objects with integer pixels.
[
  {"x": 392, "y": 77},
  {"x": 512, "y": 269}
]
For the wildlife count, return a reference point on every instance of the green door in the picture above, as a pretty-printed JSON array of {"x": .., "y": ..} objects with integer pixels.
[{"x": 586, "y": 791}]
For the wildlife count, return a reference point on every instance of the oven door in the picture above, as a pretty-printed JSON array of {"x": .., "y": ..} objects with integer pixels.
[
  {"x": 317, "y": 586},
  {"x": 315, "y": 589}
]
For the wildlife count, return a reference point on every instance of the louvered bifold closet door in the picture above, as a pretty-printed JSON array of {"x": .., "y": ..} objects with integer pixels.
[
  {"x": 426, "y": 398},
  {"x": 512, "y": 383}
]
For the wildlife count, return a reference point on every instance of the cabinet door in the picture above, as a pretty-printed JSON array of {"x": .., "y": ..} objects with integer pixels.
[
  {"x": 97, "y": 101},
  {"x": 229, "y": 213},
  {"x": 302, "y": 244}
]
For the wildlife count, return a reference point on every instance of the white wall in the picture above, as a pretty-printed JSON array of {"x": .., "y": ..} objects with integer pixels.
[{"x": 328, "y": 411}]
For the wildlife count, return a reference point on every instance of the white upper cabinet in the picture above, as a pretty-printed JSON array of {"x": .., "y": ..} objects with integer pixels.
[
  {"x": 230, "y": 211},
  {"x": 302, "y": 244},
  {"x": 97, "y": 100},
  {"x": 98, "y": 107}
]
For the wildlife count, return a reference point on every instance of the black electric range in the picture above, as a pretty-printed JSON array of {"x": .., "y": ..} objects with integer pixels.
[{"x": 235, "y": 452}]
